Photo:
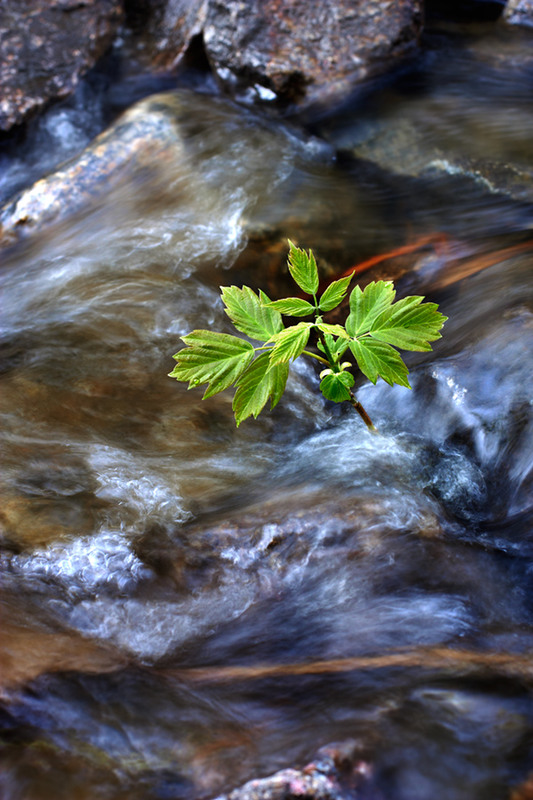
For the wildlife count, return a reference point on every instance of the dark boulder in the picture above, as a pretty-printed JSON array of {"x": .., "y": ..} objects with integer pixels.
[
  {"x": 45, "y": 46},
  {"x": 306, "y": 51}
]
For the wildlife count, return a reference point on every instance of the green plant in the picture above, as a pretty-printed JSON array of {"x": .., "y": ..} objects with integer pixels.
[{"x": 375, "y": 326}]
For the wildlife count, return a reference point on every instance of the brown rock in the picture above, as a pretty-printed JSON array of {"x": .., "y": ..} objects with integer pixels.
[
  {"x": 45, "y": 46},
  {"x": 307, "y": 51}
]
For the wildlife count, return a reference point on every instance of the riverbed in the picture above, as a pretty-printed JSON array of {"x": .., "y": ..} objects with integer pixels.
[{"x": 187, "y": 605}]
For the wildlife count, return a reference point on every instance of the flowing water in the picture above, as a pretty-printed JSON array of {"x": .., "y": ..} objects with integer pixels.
[{"x": 186, "y": 606}]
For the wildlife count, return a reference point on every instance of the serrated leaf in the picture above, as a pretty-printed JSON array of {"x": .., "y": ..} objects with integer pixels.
[
  {"x": 253, "y": 389},
  {"x": 336, "y": 386},
  {"x": 366, "y": 305},
  {"x": 303, "y": 269},
  {"x": 336, "y": 346},
  {"x": 250, "y": 313},
  {"x": 257, "y": 383},
  {"x": 278, "y": 378},
  {"x": 290, "y": 342},
  {"x": 217, "y": 359},
  {"x": 377, "y": 359},
  {"x": 409, "y": 324},
  {"x": 334, "y": 294},
  {"x": 333, "y": 330},
  {"x": 293, "y": 307}
]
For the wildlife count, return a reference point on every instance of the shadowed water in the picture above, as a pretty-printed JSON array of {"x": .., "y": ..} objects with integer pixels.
[{"x": 187, "y": 605}]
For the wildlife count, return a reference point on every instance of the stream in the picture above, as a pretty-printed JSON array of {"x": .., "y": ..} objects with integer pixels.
[{"x": 185, "y": 605}]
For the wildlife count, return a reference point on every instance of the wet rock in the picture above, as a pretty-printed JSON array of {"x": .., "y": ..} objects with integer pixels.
[
  {"x": 453, "y": 139},
  {"x": 46, "y": 47},
  {"x": 304, "y": 53},
  {"x": 336, "y": 772},
  {"x": 167, "y": 150},
  {"x": 144, "y": 136},
  {"x": 433, "y": 142},
  {"x": 457, "y": 151},
  {"x": 167, "y": 28},
  {"x": 519, "y": 12},
  {"x": 292, "y": 51}
]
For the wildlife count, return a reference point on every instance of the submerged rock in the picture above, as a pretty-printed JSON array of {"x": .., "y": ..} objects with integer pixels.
[
  {"x": 46, "y": 47},
  {"x": 144, "y": 138},
  {"x": 454, "y": 123},
  {"x": 441, "y": 142},
  {"x": 168, "y": 150}
]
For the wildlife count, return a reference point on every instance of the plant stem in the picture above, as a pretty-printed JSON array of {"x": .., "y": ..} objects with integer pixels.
[
  {"x": 314, "y": 355},
  {"x": 362, "y": 413},
  {"x": 353, "y": 399}
]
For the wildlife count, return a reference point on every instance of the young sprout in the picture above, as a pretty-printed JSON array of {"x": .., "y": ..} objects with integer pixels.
[{"x": 374, "y": 328}]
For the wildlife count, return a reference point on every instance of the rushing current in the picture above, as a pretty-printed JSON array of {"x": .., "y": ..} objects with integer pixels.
[{"x": 187, "y": 605}]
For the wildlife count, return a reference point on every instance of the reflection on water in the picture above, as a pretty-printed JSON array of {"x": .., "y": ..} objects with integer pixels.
[{"x": 333, "y": 585}]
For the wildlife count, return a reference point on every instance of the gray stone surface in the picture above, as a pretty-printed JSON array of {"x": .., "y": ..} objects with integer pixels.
[
  {"x": 45, "y": 46},
  {"x": 307, "y": 51}
]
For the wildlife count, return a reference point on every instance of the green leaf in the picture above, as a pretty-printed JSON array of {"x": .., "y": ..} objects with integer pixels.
[
  {"x": 333, "y": 330},
  {"x": 336, "y": 386},
  {"x": 293, "y": 307},
  {"x": 409, "y": 324},
  {"x": 251, "y": 314},
  {"x": 257, "y": 383},
  {"x": 367, "y": 305},
  {"x": 336, "y": 346},
  {"x": 303, "y": 269},
  {"x": 217, "y": 359},
  {"x": 377, "y": 359},
  {"x": 290, "y": 342},
  {"x": 334, "y": 294},
  {"x": 278, "y": 379}
]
